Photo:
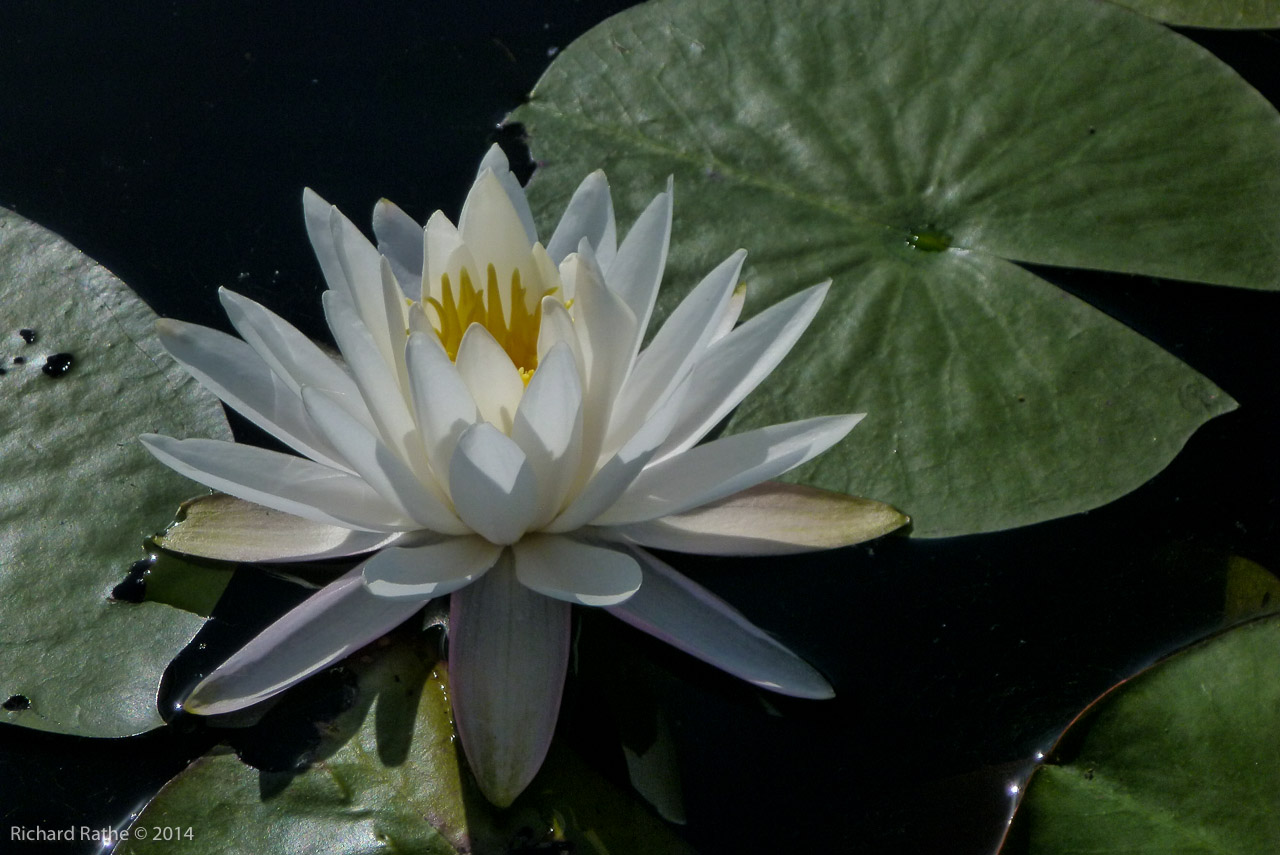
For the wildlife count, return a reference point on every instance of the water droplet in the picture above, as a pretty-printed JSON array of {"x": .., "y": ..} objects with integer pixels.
[
  {"x": 28, "y": 335},
  {"x": 134, "y": 587},
  {"x": 929, "y": 240},
  {"x": 16, "y": 703},
  {"x": 58, "y": 364}
]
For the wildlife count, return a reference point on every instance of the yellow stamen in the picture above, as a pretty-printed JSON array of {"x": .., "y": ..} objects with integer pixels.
[{"x": 505, "y": 315}]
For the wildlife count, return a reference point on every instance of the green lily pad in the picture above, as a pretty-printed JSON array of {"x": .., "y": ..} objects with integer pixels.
[
  {"x": 80, "y": 492},
  {"x": 1184, "y": 758},
  {"x": 914, "y": 150},
  {"x": 1217, "y": 14},
  {"x": 387, "y": 778}
]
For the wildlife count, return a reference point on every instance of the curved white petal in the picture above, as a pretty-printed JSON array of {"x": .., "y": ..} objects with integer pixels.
[
  {"x": 492, "y": 228},
  {"x": 493, "y": 486},
  {"x": 374, "y": 376},
  {"x": 226, "y": 528},
  {"x": 318, "y": 213},
  {"x": 576, "y": 572},
  {"x": 433, "y": 570},
  {"x": 556, "y": 328},
  {"x": 726, "y": 466},
  {"x": 293, "y": 357},
  {"x": 734, "y": 365},
  {"x": 772, "y": 518},
  {"x": 675, "y": 349},
  {"x": 670, "y": 607},
  {"x": 495, "y": 160},
  {"x": 441, "y": 399},
  {"x": 362, "y": 266},
  {"x": 335, "y": 621},
  {"x": 589, "y": 215},
  {"x": 400, "y": 241},
  {"x": 636, "y": 271},
  {"x": 442, "y": 244},
  {"x": 378, "y": 466},
  {"x": 234, "y": 371},
  {"x": 286, "y": 483},
  {"x": 548, "y": 427},
  {"x": 732, "y": 311},
  {"x": 508, "y": 654},
  {"x": 491, "y": 376}
]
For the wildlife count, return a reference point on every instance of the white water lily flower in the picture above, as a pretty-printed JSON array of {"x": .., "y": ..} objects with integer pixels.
[{"x": 498, "y": 432}]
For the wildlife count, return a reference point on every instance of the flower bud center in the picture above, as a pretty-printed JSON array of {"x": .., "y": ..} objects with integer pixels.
[{"x": 510, "y": 314}]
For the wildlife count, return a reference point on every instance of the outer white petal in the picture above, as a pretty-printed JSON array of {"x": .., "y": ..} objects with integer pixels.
[
  {"x": 548, "y": 427},
  {"x": 318, "y": 213},
  {"x": 508, "y": 653},
  {"x": 733, "y": 366},
  {"x": 400, "y": 241},
  {"x": 772, "y": 518},
  {"x": 225, "y": 528},
  {"x": 491, "y": 376},
  {"x": 685, "y": 615},
  {"x": 496, "y": 161},
  {"x": 378, "y": 466},
  {"x": 441, "y": 399},
  {"x": 675, "y": 349},
  {"x": 362, "y": 266},
  {"x": 636, "y": 271},
  {"x": 726, "y": 466},
  {"x": 335, "y": 621},
  {"x": 433, "y": 570},
  {"x": 493, "y": 486},
  {"x": 729, "y": 317},
  {"x": 233, "y": 371},
  {"x": 577, "y": 572},
  {"x": 589, "y": 215},
  {"x": 281, "y": 481},
  {"x": 291, "y": 355}
]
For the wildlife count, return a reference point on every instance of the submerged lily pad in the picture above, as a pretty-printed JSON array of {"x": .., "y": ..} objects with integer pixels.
[
  {"x": 1217, "y": 14},
  {"x": 386, "y": 777},
  {"x": 83, "y": 376},
  {"x": 1183, "y": 758},
  {"x": 914, "y": 150}
]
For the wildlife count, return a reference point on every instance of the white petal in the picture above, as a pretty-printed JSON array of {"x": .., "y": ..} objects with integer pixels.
[
  {"x": 577, "y": 572},
  {"x": 441, "y": 399},
  {"x": 548, "y": 427},
  {"x": 729, "y": 317},
  {"x": 378, "y": 466},
  {"x": 733, "y": 366},
  {"x": 726, "y": 466},
  {"x": 675, "y": 349},
  {"x": 330, "y": 624},
  {"x": 291, "y": 484},
  {"x": 496, "y": 161},
  {"x": 443, "y": 244},
  {"x": 400, "y": 241},
  {"x": 318, "y": 213},
  {"x": 232, "y": 370},
  {"x": 375, "y": 377},
  {"x": 508, "y": 654},
  {"x": 362, "y": 267},
  {"x": 618, "y": 473},
  {"x": 670, "y": 607},
  {"x": 557, "y": 327},
  {"x": 225, "y": 528},
  {"x": 432, "y": 570},
  {"x": 294, "y": 358},
  {"x": 493, "y": 486},
  {"x": 772, "y": 518},
  {"x": 491, "y": 376},
  {"x": 589, "y": 215},
  {"x": 636, "y": 271},
  {"x": 492, "y": 229}
]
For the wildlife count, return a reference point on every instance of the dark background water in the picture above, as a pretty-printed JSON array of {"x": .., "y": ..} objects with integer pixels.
[{"x": 170, "y": 141}]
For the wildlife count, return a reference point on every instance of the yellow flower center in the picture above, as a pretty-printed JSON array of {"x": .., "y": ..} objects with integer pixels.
[{"x": 508, "y": 320}]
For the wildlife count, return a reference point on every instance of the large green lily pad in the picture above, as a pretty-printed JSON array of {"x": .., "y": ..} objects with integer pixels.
[
  {"x": 386, "y": 777},
  {"x": 1218, "y": 14},
  {"x": 914, "y": 150},
  {"x": 1184, "y": 758},
  {"x": 80, "y": 492}
]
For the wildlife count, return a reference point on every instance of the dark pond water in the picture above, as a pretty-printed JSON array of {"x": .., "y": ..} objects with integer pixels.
[{"x": 170, "y": 142}]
